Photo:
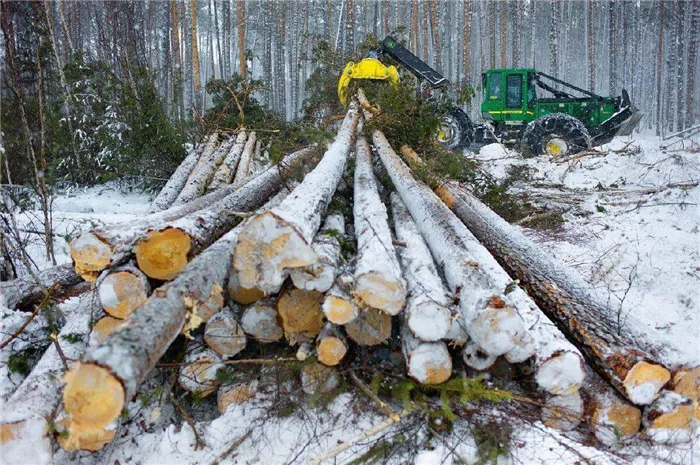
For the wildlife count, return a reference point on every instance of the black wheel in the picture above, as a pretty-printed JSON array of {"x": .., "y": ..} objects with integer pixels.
[
  {"x": 455, "y": 131},
  {"x": 557, "y": 135}
]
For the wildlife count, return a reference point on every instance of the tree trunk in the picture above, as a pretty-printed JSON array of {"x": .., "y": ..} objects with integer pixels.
[
  {"x": 300, "y": 314},
  {"x": 280, "y": 239},
  {"x": 628, "y": 357},
  {"x": 177, "y": 181},
  {"x": 659, "y": 68},
  {"x": 331, "y": 345},
  {"x": 680, "y": 66},
  {"x": 246, "y": 162},
  {"x": 491, "y": 323},
  {"x": 195, "y": 46},
  {"x": 23, "y": 293},
  {"x": 240, "y": 17},
  {"x": 591, "y": 46},
  {"x": 691, "y": 108},
  {"x": 227, "y": 170},
  {"x": 426, "y": 362},
  {"x": 427, "y": 313},
  {"x": 123, "y": 290},
  {"x": 378, "y": 280},
  {"x": 466, "y": 42},
  {"x": 321, "y": 275},
  {"x": 28, "y": 413},
  {"x": 224, "y": 335}
]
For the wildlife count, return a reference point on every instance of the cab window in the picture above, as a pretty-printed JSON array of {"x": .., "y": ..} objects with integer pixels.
[
  {"x": 495, "y": 86},
  {"x": 514, "y": 91},
  {"x": 531, "y": 89}
]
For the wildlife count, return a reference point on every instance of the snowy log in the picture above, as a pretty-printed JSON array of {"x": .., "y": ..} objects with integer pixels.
[
  {"x": 278, "y": 240},
  {"x": 630, "y": 360},
  {"x": 611, "y": 418},
  {"x": 165, "y": 250},
  {"x": 670, "y": 419},
  {"x": 23, "y": 293},
  {"x": 246, "y": 162},
  {"x": 370, "y": 328},
  {"x": 123, "y": 290},
  {"x": 224, "y": 174},
  {"x": 491, "y": 323},
  {"x": 427, "y": 312},
  {"x": 427, "y": 362},
  {"x": 300, "y": 314},
  {"x": 224, "y": 335},
  {"x": 260, "y": 322},
  {"x": 331, "y": 346},
  {"x": 687, "y": 383},
  {"x": 201, "y": 177},
  {"x": 339, "y": 307},
  {"x": 321, "y": 275},
  {"x": 177, "y": 181},
  {"x": 25, "y": 417},
  {"x": 378, "y": 279},
  {"x": 563, "y": 413},
  {"x": 209, "y": 147},
  {"x": 198, "y": 374},
  {"x": 475, "y": 358},
  {"x": 558, "y": 363}
]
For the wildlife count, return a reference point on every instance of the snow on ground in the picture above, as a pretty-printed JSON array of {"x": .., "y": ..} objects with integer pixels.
[{"x": 632, "y": 229}]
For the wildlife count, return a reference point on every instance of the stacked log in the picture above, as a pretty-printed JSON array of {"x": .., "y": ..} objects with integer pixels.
[
  {"x": 227, "y": 170},
  {"x": 246, "y": 161},
  {"x": 203, "y": 173},
  {"x": 23, "y": 293}
]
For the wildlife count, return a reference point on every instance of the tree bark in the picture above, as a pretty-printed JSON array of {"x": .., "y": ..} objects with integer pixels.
[
  {"x": 23, "y": 293},
  {"x": 321, "y": 275},
  {"x": 281, "y": 239},
  {"x": 246, "y": 162},
  {"x": 491, "y": 323},
  {"x": 225, "y": 173},
  {"x": 170, "y": 192},
  {"x": 378, "y": 279},
  {"x": 628, "y": 357},
  {"x": 427, "y": 313}
]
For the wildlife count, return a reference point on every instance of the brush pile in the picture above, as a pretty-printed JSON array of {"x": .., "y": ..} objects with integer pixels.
[{"x": 323, "y": 256}]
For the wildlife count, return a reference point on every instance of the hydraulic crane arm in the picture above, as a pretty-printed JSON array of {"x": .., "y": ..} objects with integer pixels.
[{"x": 415, "y": 65}]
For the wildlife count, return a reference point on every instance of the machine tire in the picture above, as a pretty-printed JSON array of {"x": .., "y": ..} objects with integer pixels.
[
  {"x": 556, "y": 134},
  {"x": 457, "y": 129}
]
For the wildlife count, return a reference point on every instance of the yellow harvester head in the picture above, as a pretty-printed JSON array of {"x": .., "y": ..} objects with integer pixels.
[{"x": 368, "y": 68}]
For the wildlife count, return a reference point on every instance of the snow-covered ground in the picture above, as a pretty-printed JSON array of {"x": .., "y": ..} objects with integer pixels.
[{"x": 632, "y": 229}]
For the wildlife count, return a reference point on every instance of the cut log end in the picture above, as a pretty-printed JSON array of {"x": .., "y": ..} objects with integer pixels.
[
  {"x": 376, "y": 291},
  {"x": 163, "y": 254},
  {"x": 644, "y": 382},
  {"x": 243, "y": 295},
  {"x": 370, "y": 328},
  {"x": 103, "y": 328},
  {"x": 331, "y": 351},
  {"x": 563, "y": 413},
  {"x": 199, "y": 375},
  {"x": 340, "y": 310},
  {"x": 90, "y": 256},
  {"x": 300, "y": 314},
  {"x": 121, "y": 293},
  {"x": 476, "y": 358},
  {"x": 614, "y": 419},
  {"x": 224, "y": 335},
  {"x": 430, "y": 363},
  {"x": 429, "y": 321},
  {"x": 525, "y": 349},
  {"x": 670, "y": 419},
  {"x": 267, "y": 247},
  {"x": 687, "y": 383},
  {"x": 561, "y": 374},
  {"x": 497, "y": 328},
  {"x": 260, "y": 321},
  {"x": 93, "y": 397},
  {"x": 236, "y": 394},
  {"x": 317, "y": 378},
  {"x": 73, "y": 436}
]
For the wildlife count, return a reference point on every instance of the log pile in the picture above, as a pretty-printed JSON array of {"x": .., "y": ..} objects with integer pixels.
[{"x": 236, "y": 253}]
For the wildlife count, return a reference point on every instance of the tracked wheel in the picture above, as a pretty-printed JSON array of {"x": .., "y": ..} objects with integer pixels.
[
  {"x": 557, "y": 135},
  {"x": 455, "y": 131}
]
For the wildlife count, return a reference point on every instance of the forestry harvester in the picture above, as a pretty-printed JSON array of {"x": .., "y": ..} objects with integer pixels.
[{"x": 557, "y": 123}]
